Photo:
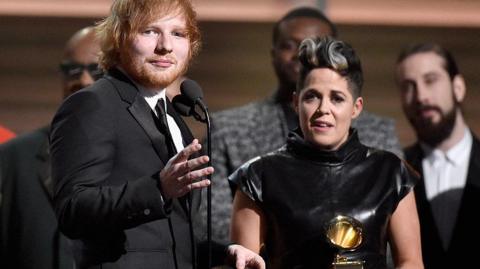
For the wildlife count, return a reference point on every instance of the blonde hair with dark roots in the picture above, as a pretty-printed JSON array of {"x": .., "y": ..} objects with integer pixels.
[
  {"x": 128, "y": 16},
  {"x": 327, "y": 52}
]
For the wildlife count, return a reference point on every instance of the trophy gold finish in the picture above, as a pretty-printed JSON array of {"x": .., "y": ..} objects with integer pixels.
[{"x": 345, "y": 233}]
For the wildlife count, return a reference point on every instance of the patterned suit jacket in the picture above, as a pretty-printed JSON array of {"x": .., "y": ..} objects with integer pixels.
[{"x": 242, "y": 133}]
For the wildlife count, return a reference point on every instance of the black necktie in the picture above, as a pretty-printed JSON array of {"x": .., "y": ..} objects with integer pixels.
[{"x": 162, "y": 117}]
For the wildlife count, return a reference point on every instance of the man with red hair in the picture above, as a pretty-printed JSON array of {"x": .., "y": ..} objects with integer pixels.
[{"x": 124, "y": 164}]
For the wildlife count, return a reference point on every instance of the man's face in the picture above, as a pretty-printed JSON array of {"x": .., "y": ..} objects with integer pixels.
[
  {"x": 428, "y": 96},
  {"x": 285, "y": 52},
  {"x": 159, "y": 52},
  {"x": 80, "y": 64}
]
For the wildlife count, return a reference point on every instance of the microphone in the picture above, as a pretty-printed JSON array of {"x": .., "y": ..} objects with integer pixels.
[
  {"x": 191, "y": 90},
  {"x": 191, "y": 95},
  {"x": 182, "y": 105},
  {"x": 185, "y": 103}
]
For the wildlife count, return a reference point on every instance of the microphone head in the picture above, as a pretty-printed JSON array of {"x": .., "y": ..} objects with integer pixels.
[
  {"x": 191, "y": 96},
  {"x": 191, "y": 90},
  {"x": 182, "y": 105}
]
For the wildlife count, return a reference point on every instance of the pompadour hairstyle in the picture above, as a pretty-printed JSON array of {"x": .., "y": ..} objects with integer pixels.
[{"x": 327, "y": 52}]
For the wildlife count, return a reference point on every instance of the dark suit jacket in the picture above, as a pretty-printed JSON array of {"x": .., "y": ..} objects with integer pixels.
[
  {"x": 106, "y": 156},
  {"x": 465, "y": 232},
  {"x": 29, "y": 236}
]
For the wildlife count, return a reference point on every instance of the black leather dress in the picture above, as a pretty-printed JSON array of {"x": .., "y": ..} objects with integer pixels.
[{"x": 301, "y": 188}]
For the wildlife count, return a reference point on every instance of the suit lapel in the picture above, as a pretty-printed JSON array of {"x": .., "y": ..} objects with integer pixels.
[
  {"x": 414, "y": 156},
  {"x": 187, "y": 135},
  {"x": 430, "y": 233},
  {"x": 42, "y": 165},
  {"x": 470, "y": 196},
  {"x": 143, "y": 115},
  {"x": 140, "y": 110}
]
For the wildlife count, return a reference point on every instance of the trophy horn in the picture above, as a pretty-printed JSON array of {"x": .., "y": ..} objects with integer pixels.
[{"x": 345, "y": 233}]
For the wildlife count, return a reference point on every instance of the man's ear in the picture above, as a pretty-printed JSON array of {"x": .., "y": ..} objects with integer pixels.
[
  {"x": 357, "y": 107},
  {"x": 295, "y": 101},
  {"x": 459, "y": 88}
]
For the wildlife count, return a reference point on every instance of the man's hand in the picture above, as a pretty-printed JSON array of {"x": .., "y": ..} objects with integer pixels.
[
  {"x": 244, "y": 257},
  {"x": 179, "y": 176}
]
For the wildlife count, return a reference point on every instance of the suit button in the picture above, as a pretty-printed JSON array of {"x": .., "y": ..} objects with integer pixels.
[{"x": 146, "y": 212}]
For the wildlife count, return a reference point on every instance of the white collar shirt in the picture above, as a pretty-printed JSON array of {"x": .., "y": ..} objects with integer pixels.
[
  {"x": 152, "y": 99},
  {"x": 445, "y": 176}
]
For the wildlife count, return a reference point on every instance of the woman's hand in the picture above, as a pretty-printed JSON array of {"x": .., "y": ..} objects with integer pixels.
[{"x": 244, "y": 257}]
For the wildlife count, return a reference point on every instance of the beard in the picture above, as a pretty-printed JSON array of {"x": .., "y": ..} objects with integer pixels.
[
  {"x": 432, "y": 133},
  {"x": 150, "y": 77}
]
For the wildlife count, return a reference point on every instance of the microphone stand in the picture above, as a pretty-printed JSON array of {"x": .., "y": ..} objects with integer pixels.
[
  {"x": 209, "y": 192},
  {"x": 206, "y": 120},
  {"x": 190, "y": 97}
]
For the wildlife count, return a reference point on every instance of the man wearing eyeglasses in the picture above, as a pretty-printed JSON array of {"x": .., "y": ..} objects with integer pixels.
[
  {"x": 80, "y": 62},
  {"x": 29, "y": 236}
]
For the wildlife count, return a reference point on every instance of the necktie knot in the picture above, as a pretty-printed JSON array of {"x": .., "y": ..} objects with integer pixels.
[
  {"x": 162, "y": 115},
  {"x": 162, "y": 118}
]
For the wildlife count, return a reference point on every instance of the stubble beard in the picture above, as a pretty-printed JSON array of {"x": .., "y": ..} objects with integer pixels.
[{"x": 143, "y": 72}]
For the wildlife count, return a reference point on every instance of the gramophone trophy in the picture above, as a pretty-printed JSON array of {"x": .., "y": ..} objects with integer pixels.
[{"x": 345, "y": 233}]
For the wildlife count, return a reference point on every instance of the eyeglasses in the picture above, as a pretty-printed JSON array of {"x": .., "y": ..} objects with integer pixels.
[{"x": 74, "y": 70}]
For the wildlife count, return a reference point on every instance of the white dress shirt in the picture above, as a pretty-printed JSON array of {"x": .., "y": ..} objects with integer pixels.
[
  {"x": 445, "y": 176},
  {"x": 152, "y": 99}
]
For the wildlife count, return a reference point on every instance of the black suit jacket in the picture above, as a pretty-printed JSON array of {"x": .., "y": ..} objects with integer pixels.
[
  {"x": 458, "y": 254},
  {"x": 106, "y": 156},
  {"x": 29, "y": 235}
]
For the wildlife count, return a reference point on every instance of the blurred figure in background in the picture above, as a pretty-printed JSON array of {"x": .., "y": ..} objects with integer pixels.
[
  {"x": 80, "y": 62},
  {"x": 446, "y": 153},
  {"x": 29, "y": 235},
  {"x": 242, "y": 133},
  {"x": 5, "y": 134}
]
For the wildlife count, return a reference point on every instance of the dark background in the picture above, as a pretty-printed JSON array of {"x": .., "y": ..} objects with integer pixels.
[{"x": 233, "y": 67}]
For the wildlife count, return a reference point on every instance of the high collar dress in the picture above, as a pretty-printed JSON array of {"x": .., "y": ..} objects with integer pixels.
[{"x": 300, "y": 189}]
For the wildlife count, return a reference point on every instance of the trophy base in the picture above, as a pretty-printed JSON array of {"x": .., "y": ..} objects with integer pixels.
[{"x": 348, "y": 265}]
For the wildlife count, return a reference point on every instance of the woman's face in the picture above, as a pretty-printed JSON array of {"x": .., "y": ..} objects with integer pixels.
[{"x": 325, "y": 108}]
